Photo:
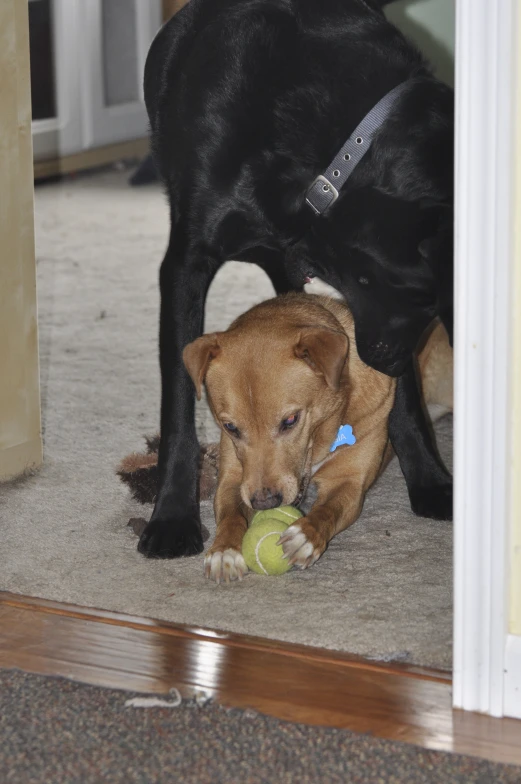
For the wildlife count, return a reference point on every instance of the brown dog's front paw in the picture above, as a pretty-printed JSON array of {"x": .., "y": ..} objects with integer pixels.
[
  {"x": 302, "y": 544},
  {"x": 224, "y": 566}
]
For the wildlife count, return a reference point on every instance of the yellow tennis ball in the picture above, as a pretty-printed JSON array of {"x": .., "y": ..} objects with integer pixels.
[
  {"x": 286, "y": 514},
  {"x": 260, "y": 549}
]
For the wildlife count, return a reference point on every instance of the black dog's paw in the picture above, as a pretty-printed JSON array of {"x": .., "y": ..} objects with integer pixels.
[
  {"x": 171, "y": 539},
  {"x": 434, "y": 502}
]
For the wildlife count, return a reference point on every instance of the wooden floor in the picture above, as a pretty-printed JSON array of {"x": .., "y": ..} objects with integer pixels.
[{"x": 291, "y": 682}]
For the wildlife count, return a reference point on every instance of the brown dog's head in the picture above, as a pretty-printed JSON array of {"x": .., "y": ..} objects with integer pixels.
[{"x": 272, "y": 380}]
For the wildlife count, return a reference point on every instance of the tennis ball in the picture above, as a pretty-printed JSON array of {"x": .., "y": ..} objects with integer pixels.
[
  {"x": 260, "y": 549},
  {"x": 286, "y": 514}
]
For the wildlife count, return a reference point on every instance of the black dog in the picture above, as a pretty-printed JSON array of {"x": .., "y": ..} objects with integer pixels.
[{"x": 250, "y": 100}]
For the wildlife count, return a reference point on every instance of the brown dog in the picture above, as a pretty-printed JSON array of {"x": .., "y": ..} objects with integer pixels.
[{"x": 281, "y": 381}]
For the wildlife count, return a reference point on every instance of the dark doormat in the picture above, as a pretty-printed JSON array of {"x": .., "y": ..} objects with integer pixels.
[{"x": 57, "y": 731}]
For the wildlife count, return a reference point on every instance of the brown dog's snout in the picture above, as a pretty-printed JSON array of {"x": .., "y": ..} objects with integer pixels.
[{"x": 266, "y": 499}]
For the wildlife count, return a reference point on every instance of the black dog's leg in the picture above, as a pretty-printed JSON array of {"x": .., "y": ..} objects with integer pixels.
[
  {"x": 175, "y": 528},
  {"x": 273, "y": 264},
  {"x": 439, "y": 253},
  {"x": 428, "y": 481},
  {"x": 279, "y": 279},
  {"x": 446, "y": 282}
]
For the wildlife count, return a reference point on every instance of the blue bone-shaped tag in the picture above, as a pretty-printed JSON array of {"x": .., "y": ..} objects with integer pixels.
[{"x": 345, "y": 435}]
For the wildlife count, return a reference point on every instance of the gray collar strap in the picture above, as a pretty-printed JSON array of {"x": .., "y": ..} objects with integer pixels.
[{"x": 324, "y": 190}]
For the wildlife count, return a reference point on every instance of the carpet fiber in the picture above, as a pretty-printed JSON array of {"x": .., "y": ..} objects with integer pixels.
[
  {"x": 382, "y": 589},
  {"x": 58, "y": 731}
]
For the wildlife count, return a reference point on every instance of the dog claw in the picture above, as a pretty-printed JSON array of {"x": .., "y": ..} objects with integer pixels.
[
  {"x": 225, "y": 566},
  {"x": 298, "y": 550}
]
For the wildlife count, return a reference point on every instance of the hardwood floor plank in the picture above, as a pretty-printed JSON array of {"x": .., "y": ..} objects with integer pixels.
[
  {"x": 290, "y": 682},
  {"x": 229, "y": 638}
]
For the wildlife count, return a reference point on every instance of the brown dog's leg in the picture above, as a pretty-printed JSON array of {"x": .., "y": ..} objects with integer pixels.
[
  {"x": 435, "y": 362},
  {"x": 342, "y": 484},
  {"x": 224, "y": 561}
]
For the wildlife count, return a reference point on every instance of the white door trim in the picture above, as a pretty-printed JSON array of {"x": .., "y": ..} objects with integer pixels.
[
  {"x": 485, "y": 68},
  {"x": 102, "y": 124}
]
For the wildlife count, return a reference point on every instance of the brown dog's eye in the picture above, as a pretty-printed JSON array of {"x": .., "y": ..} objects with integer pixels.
[
  {"x": 234, "y": 431},
  {"x": 290, "y": 422}
]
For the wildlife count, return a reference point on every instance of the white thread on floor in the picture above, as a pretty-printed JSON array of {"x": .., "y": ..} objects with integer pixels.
[{"x": 155, "y": 702}]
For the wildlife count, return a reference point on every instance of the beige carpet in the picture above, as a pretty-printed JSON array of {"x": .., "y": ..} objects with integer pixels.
[{"x": 383, "y": 588}]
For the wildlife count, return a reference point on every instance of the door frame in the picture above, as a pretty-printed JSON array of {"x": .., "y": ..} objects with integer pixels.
[{"x": 487, "y": 660}]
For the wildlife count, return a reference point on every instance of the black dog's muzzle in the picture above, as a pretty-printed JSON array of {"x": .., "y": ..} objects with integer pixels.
[{"x": 384, "y": 358}]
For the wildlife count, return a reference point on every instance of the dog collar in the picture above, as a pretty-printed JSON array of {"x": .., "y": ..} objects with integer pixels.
[
  {"x": 323, "y": 191},
  {"x": 345, "y": 435}
]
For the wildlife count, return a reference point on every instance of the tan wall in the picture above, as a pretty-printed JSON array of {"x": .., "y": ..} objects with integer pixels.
[{"x": 20, "y": 440}]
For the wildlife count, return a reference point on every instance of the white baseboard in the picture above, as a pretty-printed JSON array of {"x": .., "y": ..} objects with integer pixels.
[{"x": 512, "y": 680}]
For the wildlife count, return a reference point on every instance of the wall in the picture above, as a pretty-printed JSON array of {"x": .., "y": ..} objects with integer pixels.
[
  {"x": 431, "y": 24},
  {"x": 20, "y": 440},
  {"x": 170, "y": 7}
]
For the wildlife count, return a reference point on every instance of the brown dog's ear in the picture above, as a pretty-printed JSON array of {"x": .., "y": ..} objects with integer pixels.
[
  {"x": 325, "y": 351},
  {"x": 197, "y": 356}
]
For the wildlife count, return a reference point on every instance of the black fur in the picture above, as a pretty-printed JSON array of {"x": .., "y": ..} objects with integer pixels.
[{"x": 248, "y": 101}]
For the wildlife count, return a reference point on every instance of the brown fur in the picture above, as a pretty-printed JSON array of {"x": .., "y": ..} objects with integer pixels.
[
  {"x": 297, "y": 354},
  {"x": 139, "y": 472}
]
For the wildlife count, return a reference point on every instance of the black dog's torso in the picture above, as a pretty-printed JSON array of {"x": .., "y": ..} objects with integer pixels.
[
  {"x": 249, "y": 100},
  {"x": 261, "y": 95}
]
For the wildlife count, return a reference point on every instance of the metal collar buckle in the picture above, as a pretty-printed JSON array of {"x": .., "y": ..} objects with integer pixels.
[{"x": 328, "y": 189}]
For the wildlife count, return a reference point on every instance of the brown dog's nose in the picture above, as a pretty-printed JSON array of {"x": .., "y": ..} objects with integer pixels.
[{"x": 265, "y": 499}]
